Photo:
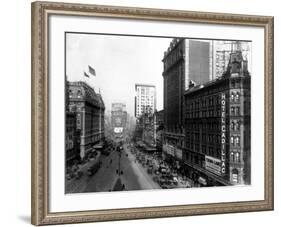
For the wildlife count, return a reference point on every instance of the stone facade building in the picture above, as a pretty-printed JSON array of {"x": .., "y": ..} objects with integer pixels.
[
  {"x": 89, "y": 109},
  {"x": 185, "y": 61},
  {"x": 218, "y": 128}
]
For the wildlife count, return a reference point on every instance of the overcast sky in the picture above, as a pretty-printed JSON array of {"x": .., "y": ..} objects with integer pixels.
[{"x": 120, "y": 62}]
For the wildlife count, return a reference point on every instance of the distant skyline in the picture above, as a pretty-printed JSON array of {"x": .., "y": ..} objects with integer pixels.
[{"x": 120, "y": 62}]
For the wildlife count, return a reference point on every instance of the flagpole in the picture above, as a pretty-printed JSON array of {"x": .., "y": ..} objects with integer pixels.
[{"x": 92, "y": 71}]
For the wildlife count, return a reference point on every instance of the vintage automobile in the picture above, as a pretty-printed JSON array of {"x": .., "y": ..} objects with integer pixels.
[
  {"x": 94, "y": 168},
  {"x": 78, "y": 174}
]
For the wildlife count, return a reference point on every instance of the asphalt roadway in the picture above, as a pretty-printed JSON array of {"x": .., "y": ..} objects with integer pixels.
[{"x": 132, "y": 175}]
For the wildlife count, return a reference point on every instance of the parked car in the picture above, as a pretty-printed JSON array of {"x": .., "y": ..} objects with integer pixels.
[
  {"x": 78, "y": 174},
  {"x": 94, "y": 168}
]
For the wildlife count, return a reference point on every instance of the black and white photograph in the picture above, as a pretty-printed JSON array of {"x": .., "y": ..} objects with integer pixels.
[{"x": 153, "y": 113}]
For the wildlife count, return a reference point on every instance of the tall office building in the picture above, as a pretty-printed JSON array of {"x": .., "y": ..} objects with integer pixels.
[
  {"x": 221, "y": 50},
  {"x": 145, "y": 99},
  {"x": 185, "y": 61},
  {"x": 198, "y": 61}
]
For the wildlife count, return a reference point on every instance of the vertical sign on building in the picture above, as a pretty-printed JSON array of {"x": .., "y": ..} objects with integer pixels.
[{"x": 223, "y": 133}]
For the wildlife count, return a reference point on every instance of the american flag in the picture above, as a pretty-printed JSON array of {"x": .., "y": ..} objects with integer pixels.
[
  {"x": 86, "y": 75},
  {"x": 92, "y": 70}
]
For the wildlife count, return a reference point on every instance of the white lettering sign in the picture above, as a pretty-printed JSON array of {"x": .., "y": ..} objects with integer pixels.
[
  {"x": 223, "y": 135},
  {"x": 213, "y": 165}
]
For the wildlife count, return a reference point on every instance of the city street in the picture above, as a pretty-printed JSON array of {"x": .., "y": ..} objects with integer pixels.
[{"x": 132, "y": 175}]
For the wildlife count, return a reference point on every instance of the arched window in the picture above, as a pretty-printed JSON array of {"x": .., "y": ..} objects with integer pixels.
[
  {"x": 70, "y": 93},
  {"x": 232, "y": 156},
  {"x": 237, "y": 140},
  {"x": 238, "y": 110},
  {"x": 237, "y": 97},
  {"x": 237, "y": 157},
  {"x": 232, "y": 96},
  {"x": 232, "y": 110},
  {"x": 232, "y": 140},
  {"x": 232, "y": 125},
  {"x": 79, "y": 93},
  {"x": 237, "y": 125}
]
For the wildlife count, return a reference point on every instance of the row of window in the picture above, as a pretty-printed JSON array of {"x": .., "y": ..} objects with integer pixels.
[
  {"x": 235, "y": 157},
  {"x": 235, "y": 140},
  {"x": 210, "y": 101},
  {"x": 235, "y": 125},
  {"x": 190, "y": 138},
  {"x": 235, "y": 96},
  {"x": 235, "y": 84},
  {"x": 79, "y": 93},
  {"x": 235, "y": 111},
  {"x": 214, "y": 126},
  {"x": 203, "y": 113},
  {"x": 211, "y": 138}
]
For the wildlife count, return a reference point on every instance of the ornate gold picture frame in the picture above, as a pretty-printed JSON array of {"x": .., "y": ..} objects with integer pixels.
[{"x": 41, "y": 12}]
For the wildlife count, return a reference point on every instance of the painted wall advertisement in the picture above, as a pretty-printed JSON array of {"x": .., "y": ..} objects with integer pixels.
[
  {"x": 118, "y": 130},
  {"x": 213, "y": 165}
]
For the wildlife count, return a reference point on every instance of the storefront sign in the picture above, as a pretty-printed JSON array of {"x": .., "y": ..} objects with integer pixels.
[
  {"x": 213, "y": 165},
  {"x": 223, "y": 133}
]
